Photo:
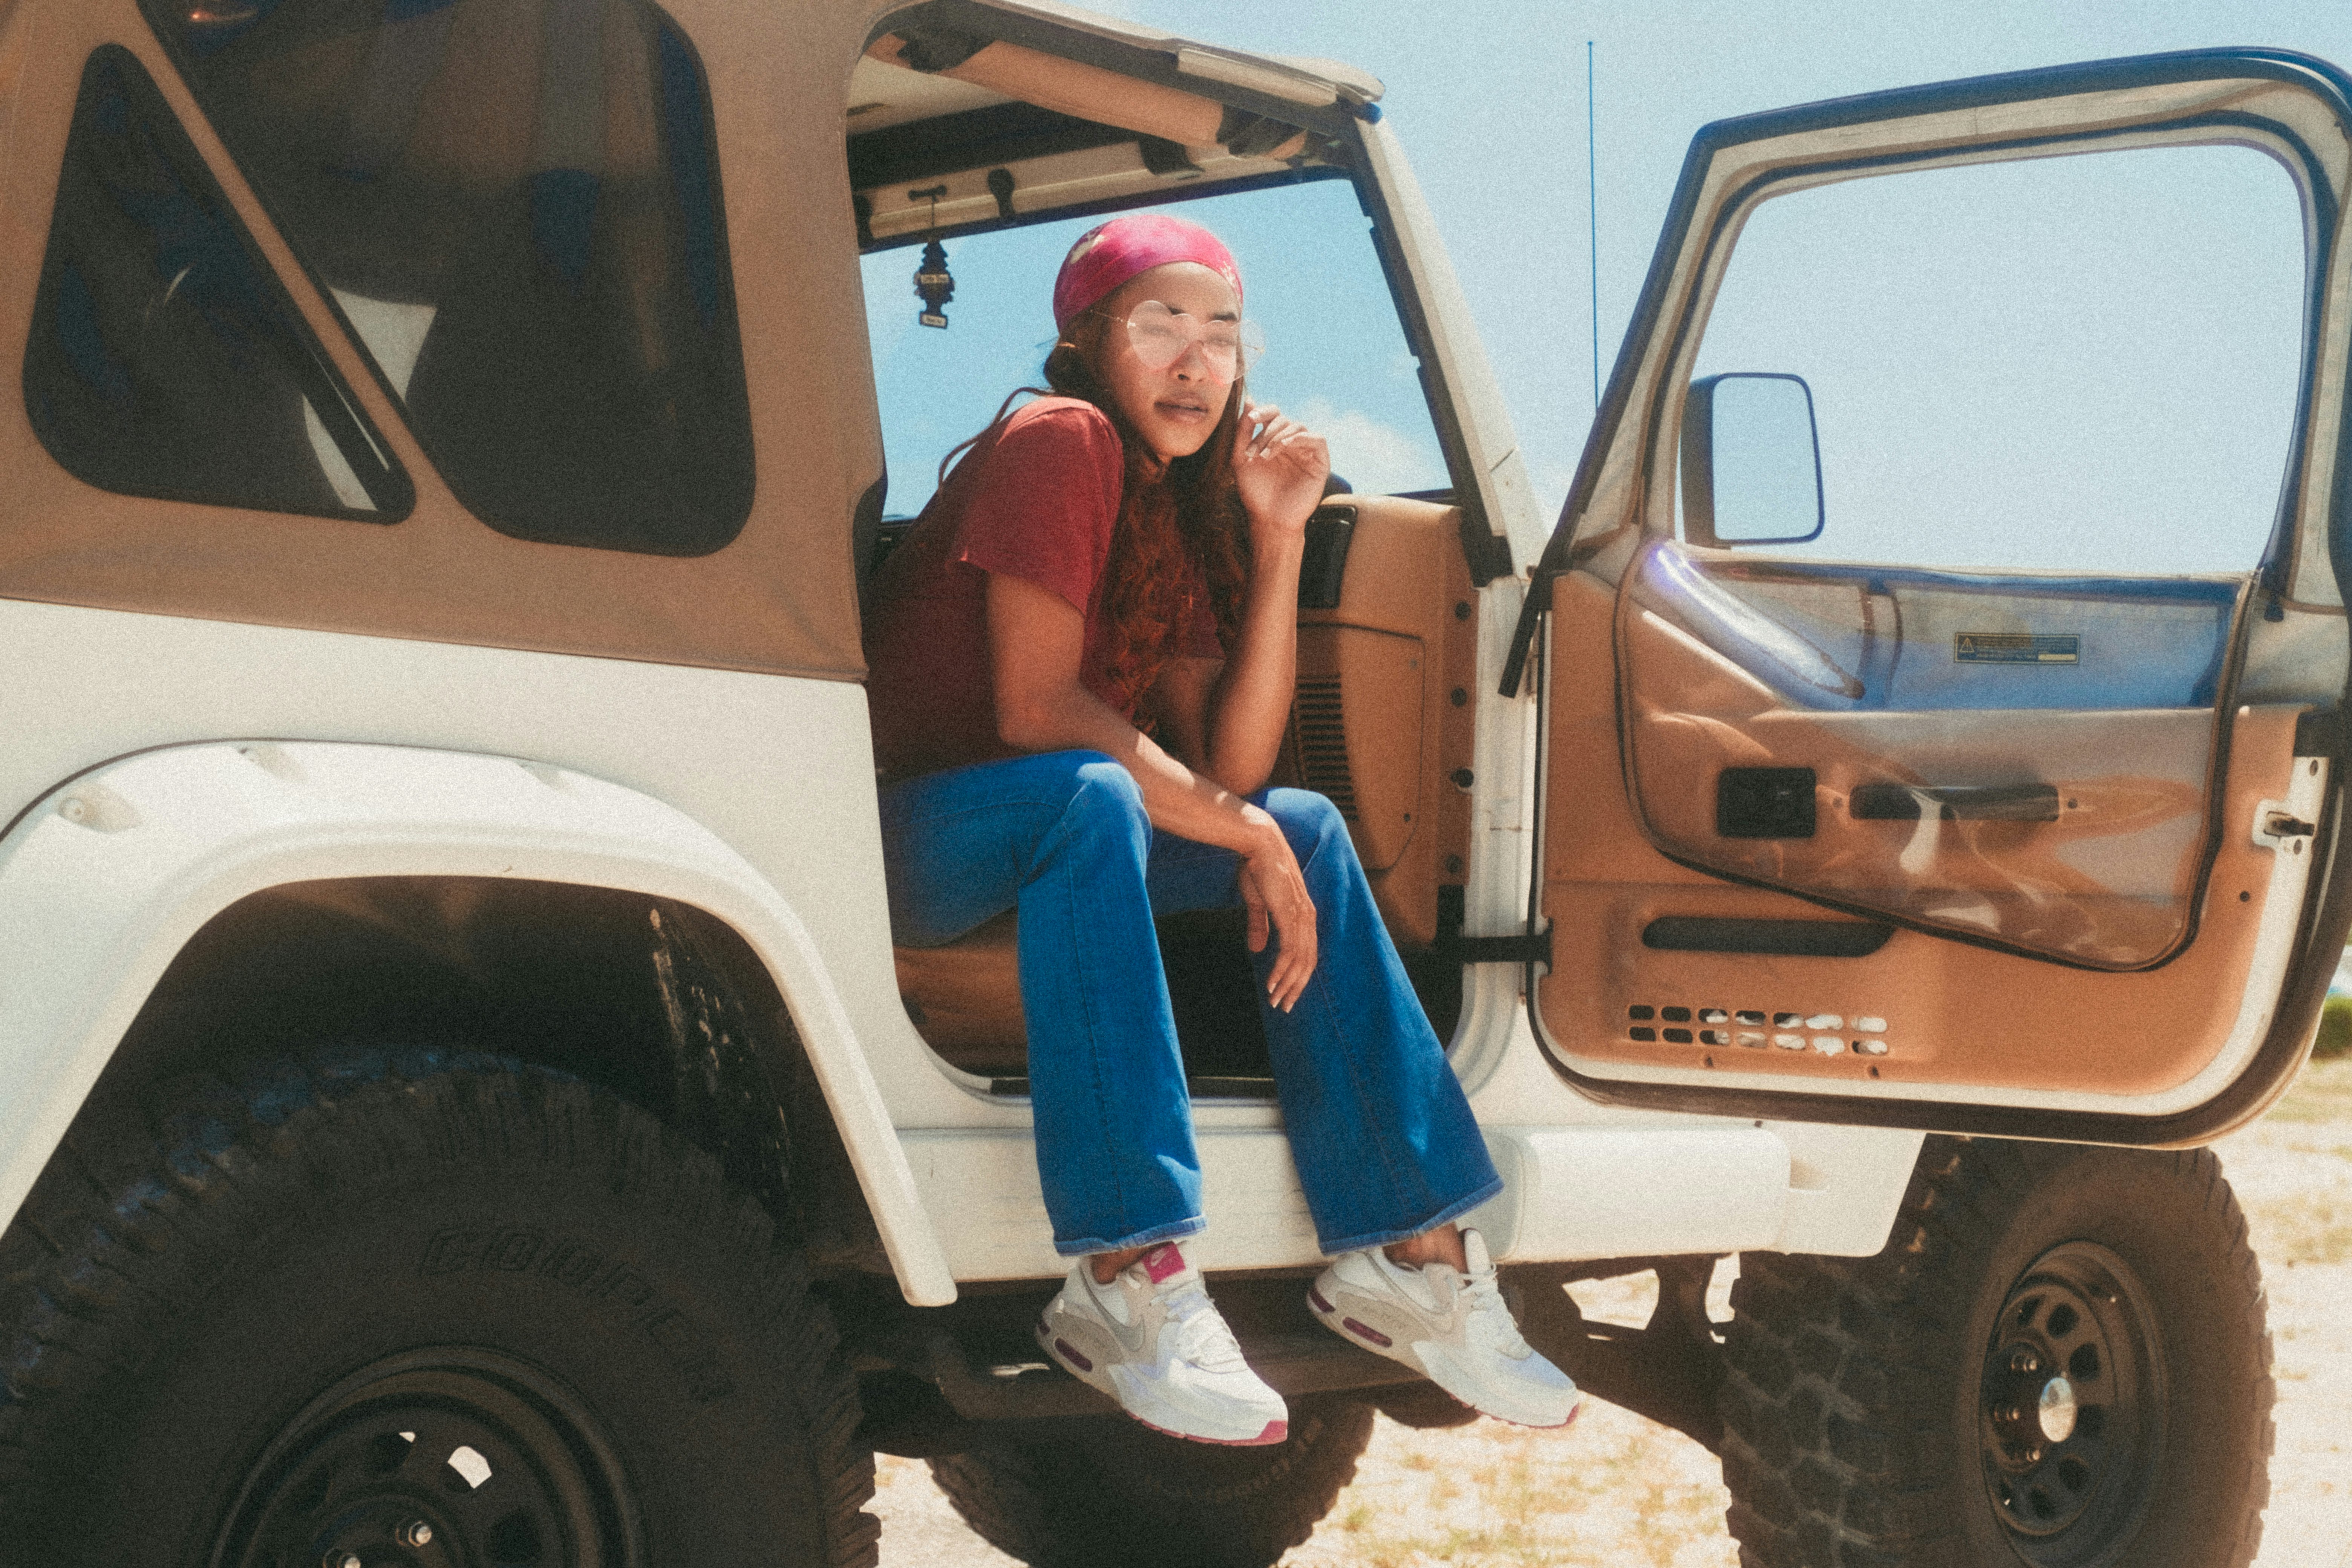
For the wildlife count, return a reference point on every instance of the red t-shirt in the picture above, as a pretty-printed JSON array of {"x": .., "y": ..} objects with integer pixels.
[{"x": 1037, "y": 500}]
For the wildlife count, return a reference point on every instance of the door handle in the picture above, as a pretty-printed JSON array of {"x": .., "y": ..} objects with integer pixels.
[{"x": 1954, "y": 803}]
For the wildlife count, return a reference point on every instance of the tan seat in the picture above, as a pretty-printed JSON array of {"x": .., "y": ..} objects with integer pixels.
[{"x": 965, "y": 999}]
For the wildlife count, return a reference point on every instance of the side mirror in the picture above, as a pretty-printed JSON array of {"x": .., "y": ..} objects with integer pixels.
[{"x": 1751, "y": 461}]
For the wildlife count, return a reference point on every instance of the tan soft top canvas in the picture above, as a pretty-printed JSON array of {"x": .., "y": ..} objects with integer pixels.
[{"x": 779, "y": 598}]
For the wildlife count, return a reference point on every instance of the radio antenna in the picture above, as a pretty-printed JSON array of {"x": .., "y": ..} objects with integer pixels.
[{"x": 1592, "y": 215}]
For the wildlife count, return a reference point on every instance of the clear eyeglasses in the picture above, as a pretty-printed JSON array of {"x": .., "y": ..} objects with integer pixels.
[{"x": 1161, "y": 335}]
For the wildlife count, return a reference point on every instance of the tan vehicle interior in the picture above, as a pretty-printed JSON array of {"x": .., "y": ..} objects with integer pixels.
[
  {"x": 951, "y": 130},
  {"x": 2065, "y": 853}
]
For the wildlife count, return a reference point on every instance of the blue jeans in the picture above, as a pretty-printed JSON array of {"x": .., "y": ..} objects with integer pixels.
[{"x": 1382, "y": 1138}]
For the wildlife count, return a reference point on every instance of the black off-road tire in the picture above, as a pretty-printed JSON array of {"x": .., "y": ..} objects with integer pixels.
[
  {"x": 1136, "y": 1498},
  {"x": 286, "y": 1320},
  {"x": 1884, "y": 1411}
]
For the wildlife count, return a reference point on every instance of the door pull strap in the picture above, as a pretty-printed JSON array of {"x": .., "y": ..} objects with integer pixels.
[{"x": 1526, "y": 947}]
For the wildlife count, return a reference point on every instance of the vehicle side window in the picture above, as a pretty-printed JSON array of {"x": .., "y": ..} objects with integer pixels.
[
  {"x": 517, "y": 209},
  {"x": 2084, "y": 362},
  {"x": 164, "y": 358}
]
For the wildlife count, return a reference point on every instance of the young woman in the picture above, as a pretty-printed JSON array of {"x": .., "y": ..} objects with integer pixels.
[{"x": 1081, "y": 664}]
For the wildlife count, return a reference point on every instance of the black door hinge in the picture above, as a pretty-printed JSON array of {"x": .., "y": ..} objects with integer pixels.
[
  {"x": 1527, "y": 947},
  {"x": 2319, "y": 732},
  {"x": 1487, "y": 555},
  {"x": 1533, "y": 608}
]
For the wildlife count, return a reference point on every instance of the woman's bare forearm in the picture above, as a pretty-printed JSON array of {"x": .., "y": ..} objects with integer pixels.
[
  {"x": 1177, "y": 799},
  {"x": 1042, "y": 706}
]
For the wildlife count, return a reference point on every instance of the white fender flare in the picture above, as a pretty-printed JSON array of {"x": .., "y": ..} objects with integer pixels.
[{"x": 104, "y": 880}]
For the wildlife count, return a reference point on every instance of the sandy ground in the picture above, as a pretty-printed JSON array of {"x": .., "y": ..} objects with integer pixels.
[{"x": 1621, "y": 1491}]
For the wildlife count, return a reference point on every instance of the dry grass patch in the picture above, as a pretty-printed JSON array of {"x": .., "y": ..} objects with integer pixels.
[
  {"x": 2293, "y": 1173},
  {"x": 2308, "y": 1228},
  {"x": 2324, "y": 1093},
  {"x": 1615, "y": 1488}
]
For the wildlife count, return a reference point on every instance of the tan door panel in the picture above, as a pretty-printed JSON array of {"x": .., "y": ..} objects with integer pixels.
[
  {"x": 2038, "y": 841},
  {"x": 1359, "y": 728},
  {"x": 2106, "y": 882},
  {"x": 1382, "y": 721},
  {"x": 1950, "y": 1011},
  {"x": 2025, "y": 760}
]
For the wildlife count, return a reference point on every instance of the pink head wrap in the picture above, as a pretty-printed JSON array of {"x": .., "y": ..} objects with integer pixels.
[{"x": 1108, "y": 253}]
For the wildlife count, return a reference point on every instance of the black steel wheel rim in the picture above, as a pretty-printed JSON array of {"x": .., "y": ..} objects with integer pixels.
[
  {"x": 2071, "y": 1409},
  {"x": 449, "y": 1457}
]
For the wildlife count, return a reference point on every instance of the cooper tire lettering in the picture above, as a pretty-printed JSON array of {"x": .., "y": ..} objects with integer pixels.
[{"x": 203, "y": 1405}]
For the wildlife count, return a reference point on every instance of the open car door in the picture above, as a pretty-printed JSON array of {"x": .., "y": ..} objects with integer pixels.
[{"x": 1942, "y": 645}]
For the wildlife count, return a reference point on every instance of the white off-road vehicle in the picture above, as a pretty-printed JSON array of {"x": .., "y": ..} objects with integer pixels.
[{"x": 461, "y": 1102}]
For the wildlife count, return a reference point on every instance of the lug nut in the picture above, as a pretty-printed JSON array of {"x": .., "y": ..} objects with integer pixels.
[
  {"x": 341, "y": 1560},
  {"x": 2024, "y": 1360},
  {"x": 415, "y": 1532},
  {"x": 2032, "y": 1456}
]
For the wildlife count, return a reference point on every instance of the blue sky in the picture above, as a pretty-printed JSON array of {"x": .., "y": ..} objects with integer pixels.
[
  {"x": 1488, "y": 101},
  {"x": 2021, "y": 364}
]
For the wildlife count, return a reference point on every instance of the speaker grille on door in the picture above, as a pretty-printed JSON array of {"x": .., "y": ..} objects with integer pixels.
[
  {"x": 1323, "y": 744},
  {"x": 1826, "y": 1033}
]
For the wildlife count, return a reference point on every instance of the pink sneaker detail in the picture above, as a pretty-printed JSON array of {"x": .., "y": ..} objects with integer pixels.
[
  {"x": 1320, "y": 1304},
  {"x": 1152, "y": 1340},
  {"x": 1374, "y": 1335}
]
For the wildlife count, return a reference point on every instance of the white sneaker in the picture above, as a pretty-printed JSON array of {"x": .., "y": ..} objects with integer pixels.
[
  {"x": 1450, "y": 1326},
  {"x": 1153, "y": 1341}
]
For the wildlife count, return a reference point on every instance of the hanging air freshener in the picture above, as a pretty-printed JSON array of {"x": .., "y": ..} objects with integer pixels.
[{"x": 934, "y": 285}]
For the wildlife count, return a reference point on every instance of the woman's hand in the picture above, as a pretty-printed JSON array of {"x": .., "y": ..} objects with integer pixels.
[
  {"x": 1280, "y": 467},
  {"x": 1274, "y": 890}
]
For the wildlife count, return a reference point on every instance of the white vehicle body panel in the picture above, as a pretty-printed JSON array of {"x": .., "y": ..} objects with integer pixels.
[
  {"x": 762, "y": 776},
  {"x": 747, "y": 800},
  {"x": 105, "y": 880},
  {"x": 1570, "y": 1192}
]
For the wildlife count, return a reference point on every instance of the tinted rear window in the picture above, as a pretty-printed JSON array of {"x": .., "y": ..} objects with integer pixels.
[
  {"x": 515, "y": 203},
  {"x": 165, "y": 359}
]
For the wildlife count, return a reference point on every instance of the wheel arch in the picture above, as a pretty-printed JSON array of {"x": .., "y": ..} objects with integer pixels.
[{"x": 264, "y": 864}]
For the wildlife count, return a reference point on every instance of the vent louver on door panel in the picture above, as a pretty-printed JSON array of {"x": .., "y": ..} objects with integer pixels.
[{"x": 1323, "y": 744}]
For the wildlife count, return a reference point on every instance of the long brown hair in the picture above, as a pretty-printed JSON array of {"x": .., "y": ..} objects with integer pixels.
[{"x": 1189, "y": 514}]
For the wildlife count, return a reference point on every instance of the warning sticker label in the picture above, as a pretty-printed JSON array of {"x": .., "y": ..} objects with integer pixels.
[{"x": 2017, "y": 647}]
